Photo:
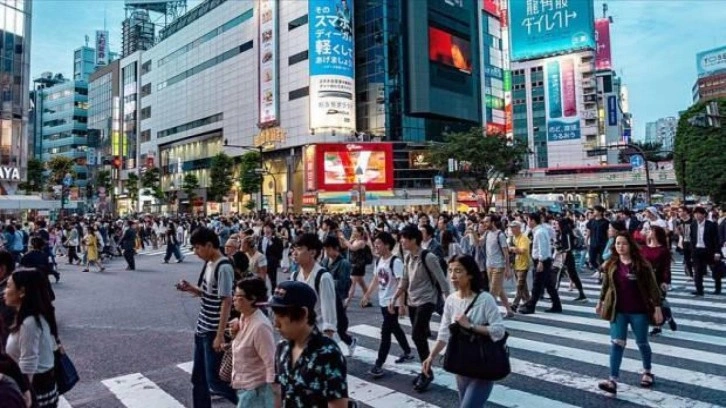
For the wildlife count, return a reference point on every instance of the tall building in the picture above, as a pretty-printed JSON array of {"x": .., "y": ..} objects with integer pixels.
[
  {"x": 651, "y": 132},
  {"x": 711, "y": 70},
  {"x": 554, "y": 83},
  {"x": 137, "y": 32},
  {"x": 15, "y": 30},
  {"x": 662, "y": 131},
  {"x": 84, "y": 63}
]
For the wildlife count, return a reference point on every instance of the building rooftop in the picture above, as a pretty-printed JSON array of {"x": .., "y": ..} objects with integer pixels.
[{"x": 188, "y": 18}]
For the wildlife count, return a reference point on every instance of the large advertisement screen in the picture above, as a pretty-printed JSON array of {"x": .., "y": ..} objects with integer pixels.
[
  {"x": 332, "y": 86},
  {"x": 563, "y": 120},
  {"x": 449, "y": 49},
  {"x": 542, "y": 28},
  {"x": 267, "y": 54},
  {"x": 494, "y": 106},
  {"x": 340, "y": 166},
  {"x": 710, "y": 61},
  {"x": 603, "y": 57}
]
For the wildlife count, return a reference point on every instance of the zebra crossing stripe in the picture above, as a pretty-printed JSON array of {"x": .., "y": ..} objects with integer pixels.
[
  {"x": 676, "y": 310},
  {"x": 187, "y": 366},
  {"x": 671, "y": 295},
  {"x": 63, "y": 402},
  {"x": 692, "y": 301},
  {"x": 137, "y": 391},
  {"x": 378, "y": 396},
  {"x": 643, "y": 397}
]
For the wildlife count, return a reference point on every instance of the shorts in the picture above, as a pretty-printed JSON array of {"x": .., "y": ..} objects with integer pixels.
[
  {"x": 358, "y": 270},
  {"x": 496, "y": 280}
]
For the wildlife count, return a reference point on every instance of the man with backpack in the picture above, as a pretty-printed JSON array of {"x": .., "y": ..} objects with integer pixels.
[
  {"x": 340, "y": 268},
  {"x": 215, "y": 288}
]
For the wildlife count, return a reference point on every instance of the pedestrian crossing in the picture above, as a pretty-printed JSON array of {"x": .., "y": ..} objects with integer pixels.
[
  {"x": 162, "y": 251},
  {"x": 557, "y": 360}
]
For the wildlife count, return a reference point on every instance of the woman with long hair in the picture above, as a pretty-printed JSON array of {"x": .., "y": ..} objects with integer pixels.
[
  {"x": 656, "y": 251},
  {"x": 630, "y": 296},
  {"x": 34, "y": 334},
  {"x": 357, "y": 245},
  {"x": 483, "y": 319}
]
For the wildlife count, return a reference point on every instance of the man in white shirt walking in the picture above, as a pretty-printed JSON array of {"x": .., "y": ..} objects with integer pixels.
[{"x": 542, "y": 257}]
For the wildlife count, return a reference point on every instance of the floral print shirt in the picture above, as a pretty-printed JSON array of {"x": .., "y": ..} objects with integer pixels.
[{"x": 318, "y": 376}]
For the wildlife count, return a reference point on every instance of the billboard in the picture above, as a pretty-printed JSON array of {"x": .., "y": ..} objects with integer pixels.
[
  {"x": 612, "y": 110},
  {"x": 450, "y": 50},
  {"x": 332, "y": 88},
  {"x": 711, "y": 61},
  {"x": 267, "y": 54},
  {"x": 491, "y": 7},
  {"x": 603, "y": 56},
  {"x": 563, "y": 121},
  {"x": 493, "y": 76},
  {"x": 542, "y": 28},
  {"x": 341, "y": 165},
  {"x": 101, "y": 47}
]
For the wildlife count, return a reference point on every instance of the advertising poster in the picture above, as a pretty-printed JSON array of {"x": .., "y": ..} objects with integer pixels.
[
  {"x": 491, "y": 7},
  {"x": 542, "y": 28},
  {"x": 332, "y": 87},
  {"x": 563, "y": 121},
  {"x": 342, "y": 165},
  {"x": 602, "y": 37},
  {"x": 101, "y": 47},
  {"x": 448, "y": 49},
  {"x": 267, "y": 54},
  {"x": 711, "y": 61}
]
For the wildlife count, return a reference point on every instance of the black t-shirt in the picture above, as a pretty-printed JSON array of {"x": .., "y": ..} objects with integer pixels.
[{"x": 598, "y": 232}]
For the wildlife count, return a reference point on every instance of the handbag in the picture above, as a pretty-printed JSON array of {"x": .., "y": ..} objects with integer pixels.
[
  {"x": 472, "y": 355},
  {"x": 225, "y": 367},
  {"x": 66, "y": 375}
]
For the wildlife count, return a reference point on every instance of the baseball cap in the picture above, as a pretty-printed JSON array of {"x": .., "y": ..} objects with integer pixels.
[
  {"x": 293, "y": 294},
  {"x": 652, "y": 210}
]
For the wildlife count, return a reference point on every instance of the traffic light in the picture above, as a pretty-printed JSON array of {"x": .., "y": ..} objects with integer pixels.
[{"x": 117, "y": 162}]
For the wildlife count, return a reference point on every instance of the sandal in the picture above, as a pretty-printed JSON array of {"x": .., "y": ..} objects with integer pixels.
[
  {"x": 608, "y": 386},
  {"x": 647, "y": 380}
]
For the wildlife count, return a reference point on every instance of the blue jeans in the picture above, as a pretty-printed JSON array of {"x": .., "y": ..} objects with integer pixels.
[
  {"x": 205, "y": 373},
  {"x": 619, "y": 333},
  {"x": 172, "y": 249},
  {"x": 473, "y": 392},
  {"x": 261, "y": 397}
]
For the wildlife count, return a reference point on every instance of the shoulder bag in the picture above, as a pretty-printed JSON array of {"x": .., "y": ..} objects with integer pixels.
[
  {"x": 472, "y": 355},
  {"x": 66, "y": 375}
]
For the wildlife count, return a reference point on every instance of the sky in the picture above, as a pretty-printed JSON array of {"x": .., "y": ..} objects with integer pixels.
[{"x": 654, "y": 44}]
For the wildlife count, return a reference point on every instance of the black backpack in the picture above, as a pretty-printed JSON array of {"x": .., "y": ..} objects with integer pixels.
[{"x": 223, "y": 261}]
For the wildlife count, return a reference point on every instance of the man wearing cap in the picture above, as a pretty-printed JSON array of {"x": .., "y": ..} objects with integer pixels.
[
  {"x": 311, "y": 369},
  {"x": 520, "y": 250}
]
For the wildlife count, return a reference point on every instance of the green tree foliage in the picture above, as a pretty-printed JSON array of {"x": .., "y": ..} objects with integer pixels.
[
  {"x": 700, "y": 151},
  {"x": 35, "y": 180},
  {"x": 151, "y": 181},
  {"x": 58, "y": 167},
  {"x": 190, "y": 184},
  {"x": 654, "y": 152},
  {"x": 249, "y": 180},
  {"x": 484, "y": 161},
  {"x": 221, "y": 176},
  {"x": 103, "y": 179},
  {"x": 132, "y": 186}
]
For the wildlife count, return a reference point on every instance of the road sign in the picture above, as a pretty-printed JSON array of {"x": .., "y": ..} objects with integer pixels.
[
  {"x": 637, "y": 161},
  {"x": 601, "y": 151},
  {"x": 439, "y": 182},
  {"x": 67, "y": 180}
]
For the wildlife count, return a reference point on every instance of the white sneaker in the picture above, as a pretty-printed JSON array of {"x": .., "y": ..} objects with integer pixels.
[{"x": 351, "y": 348}]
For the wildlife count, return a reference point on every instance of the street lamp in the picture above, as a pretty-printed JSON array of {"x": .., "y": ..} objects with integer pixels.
[
  {"x": 261, "y": 171},
  {"x": 506, "y": 194},
  {"x": 359, "y": 180}
]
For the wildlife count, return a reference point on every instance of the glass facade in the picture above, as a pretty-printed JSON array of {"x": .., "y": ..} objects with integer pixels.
[
  {"x": 103, "y": 113},
  {"x": 126, "y": 145},
  {"x": 15, "y": 19},
  {"x": 84, "y": 63}
]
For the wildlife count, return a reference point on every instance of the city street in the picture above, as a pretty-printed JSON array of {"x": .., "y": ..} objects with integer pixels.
[{"x": 130, "y": 335}]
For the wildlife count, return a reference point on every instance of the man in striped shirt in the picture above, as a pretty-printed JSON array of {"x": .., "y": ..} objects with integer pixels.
[{"x": 215, "y": 288}]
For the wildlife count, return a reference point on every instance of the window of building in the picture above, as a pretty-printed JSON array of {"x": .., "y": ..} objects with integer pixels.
[
  {"x": 146, "y": 67},
  {"x": 299, "y": 93},
  {"x": 190, "y": 125},
  {"x": 145, "y": 136},
  {"x": 146, "y": 90},
  {"x": 298, "y": 22},
  {"x": 299, "y": 57},
  {"x": 146, "y": 113},
  {"x": 205, "y": 65}
]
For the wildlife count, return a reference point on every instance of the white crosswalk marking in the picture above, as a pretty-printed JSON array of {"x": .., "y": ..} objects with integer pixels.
[
  {"x": 137, "y": 391},
  {"x": 378, "y": 396},
  {"x": 63, "y": 403}
]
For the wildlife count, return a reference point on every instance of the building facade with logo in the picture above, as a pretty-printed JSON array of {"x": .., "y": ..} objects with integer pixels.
[{"x": 711, "y": 70}]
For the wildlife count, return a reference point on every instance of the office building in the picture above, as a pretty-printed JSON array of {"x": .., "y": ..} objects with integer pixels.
[
  {"x": 711, "y": 71},
  {"x": 137, "y": 33},
  {"x": 15, "y": 31},
  {"x": 84, "y": 63},
  {"x": 651, "y": 132},
  {"x": 662, "y": 131}
]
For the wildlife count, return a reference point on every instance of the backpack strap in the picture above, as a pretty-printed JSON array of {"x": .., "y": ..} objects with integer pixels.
[
  {"x": 216, "y": 270},
  {"x": 472, "y": 303},
  {"x": 434, "y": 282},
  {"x": 318, "y": 277}
]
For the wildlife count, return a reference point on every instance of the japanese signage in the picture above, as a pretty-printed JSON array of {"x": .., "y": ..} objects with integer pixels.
[
  {"x": 711, "y": 61},
  {"x": 563, "y": 121},
  {"x": 612, "y": 110},
  {"x": 491, "y": 7},
  {"x": 309, "y": 163},
  {"x": 267, "y": 54},
  {"x": 101, "y": 47},
  {"x": 493, "y": 78},
  {"x": 602, "y": 36},
  {"x": 341, "y": 166},
  {"x": 547, "y": 27},
  {"x": 332, "y": 86}
]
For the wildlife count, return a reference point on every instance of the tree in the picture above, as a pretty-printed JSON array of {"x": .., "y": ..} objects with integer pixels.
[
  {"x": 103, "y": 179},
  {"x": 190, "y": 184},
  {"x": 654, "y": 152},
  {"x": 483, "y": 161},
  {"x": 249, "y": 180},
  {"x": 220, "y": 172},
  {"x": 151, "y": 181},
  {"x": 132, "y": 186},
  {"x": 700, "y": 153},
  {"x": 58, "y": 167},
  {"x": 35, "y": 180}
]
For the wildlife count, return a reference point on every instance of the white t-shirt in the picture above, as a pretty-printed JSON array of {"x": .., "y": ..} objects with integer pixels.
[{"x": 387, "y": 279}]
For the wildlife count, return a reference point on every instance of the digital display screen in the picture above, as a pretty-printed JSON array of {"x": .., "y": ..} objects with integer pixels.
[
  {"x": 342, "y": 166},
  {"x": 450, "y": 50}
]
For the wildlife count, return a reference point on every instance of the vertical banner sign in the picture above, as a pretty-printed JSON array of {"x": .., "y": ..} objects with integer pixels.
[
  {"x": 267, "y": 59},
  {"x": 493, "y": 87},
  {"x": 332, "y": 86},
  {"x": 563, "y": 122},
  {"x": 603, "y": 56},
  {"x": 309, "y": 162},
  {"x": 612, "y": 110},
  {"x": 101, "y": 47}
]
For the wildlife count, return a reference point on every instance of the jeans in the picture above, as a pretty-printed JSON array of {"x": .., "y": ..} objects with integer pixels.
[
  {"x": 420, "y": 321},
  {"x": 205, "y": 373},
  {"x": 543, "y": 280},
  {"x": 261, "y": 397},
  {"x": 619, "y": 334},
  {"x": 173, "y": 249},
  {"x": 390, "y": 327},
  {"x": 473, "y": 392}
]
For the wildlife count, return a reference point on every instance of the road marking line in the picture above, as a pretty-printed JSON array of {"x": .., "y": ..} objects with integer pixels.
[
  {"x": 137, "y": 391},
  {"x": 378, "y": 396},
  {"x": 676, "y": 310},
  {"x": 63, "y": 403},
  {"x": 187, "y": 366},
  {"x": 673, "y": 301}
]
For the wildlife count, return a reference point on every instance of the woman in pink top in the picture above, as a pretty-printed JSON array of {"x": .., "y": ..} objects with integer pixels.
[{"x": 253, "y": 347}]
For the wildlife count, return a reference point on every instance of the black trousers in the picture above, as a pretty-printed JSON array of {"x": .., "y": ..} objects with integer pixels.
[
  {"x": 272, "y": 266},
  {"x": 571, "y": 269},
  {"x": 390, "y": 327},
  {"x": 129, "y": 256},
  {"x": 543, "y": 280},
  {"x": 688, "y": 259},
  {"x": 342, "y": 319},
  {"x": 595, "y": 254},
  {"x": 72, "y": 255},
  {"x": 420, "y": 317}
]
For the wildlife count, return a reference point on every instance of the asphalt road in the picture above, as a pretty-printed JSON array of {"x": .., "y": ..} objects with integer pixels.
[{"x": 134, "y": 329}]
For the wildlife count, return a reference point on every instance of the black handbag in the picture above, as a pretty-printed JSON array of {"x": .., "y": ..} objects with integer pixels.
[
  {"x": 472, "y": 355},
  {"x": 66, "y": 375}
]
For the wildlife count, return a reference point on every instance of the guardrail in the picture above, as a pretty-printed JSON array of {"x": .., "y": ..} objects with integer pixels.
[{"x": 615, "y": 180}]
